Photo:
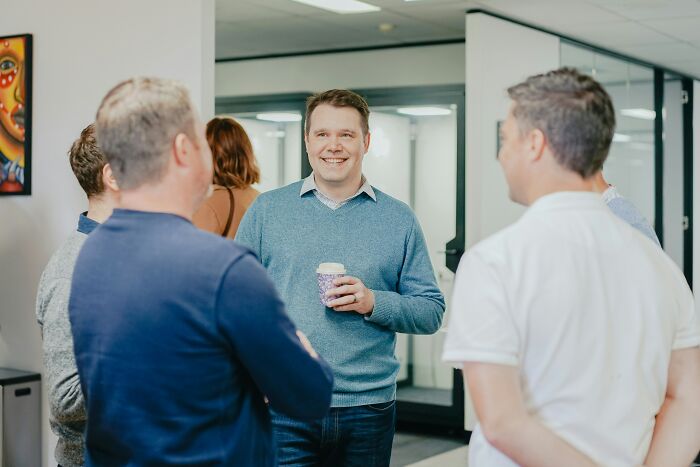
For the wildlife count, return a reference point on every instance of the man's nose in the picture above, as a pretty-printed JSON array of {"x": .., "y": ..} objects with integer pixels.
[{"x": 335, "y": 145}]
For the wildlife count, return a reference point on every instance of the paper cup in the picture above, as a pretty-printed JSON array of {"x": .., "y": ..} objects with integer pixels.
[{"x": 326, "y": 273}]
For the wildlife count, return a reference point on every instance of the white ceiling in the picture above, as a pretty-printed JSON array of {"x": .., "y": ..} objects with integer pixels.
[{"x": 665, "y": 32}]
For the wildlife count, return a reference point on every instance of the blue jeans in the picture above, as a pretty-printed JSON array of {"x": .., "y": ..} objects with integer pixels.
[{"x": 347, "y": 437}]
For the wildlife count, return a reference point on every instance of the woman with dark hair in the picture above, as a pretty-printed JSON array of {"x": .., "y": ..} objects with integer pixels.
[{"x": 235, "y": 170}]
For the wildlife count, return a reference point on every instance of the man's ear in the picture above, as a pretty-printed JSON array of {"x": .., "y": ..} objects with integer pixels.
[
  {"x": 368, "y": 138},
  {"x": 536, "y": 143},
  {"x": 182, "y": 150},
  {"x": 108, "y": 179}
]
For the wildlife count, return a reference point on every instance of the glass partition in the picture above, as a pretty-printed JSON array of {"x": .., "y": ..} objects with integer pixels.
[
  {"x": 411, "y": 148},
  {"x": 674, "y": 220},
  {"x": 416, "y": 154},
  {"x": 276, "y": 140},
  {"x": 630, "y": 165},
  {"x": 648, "y": 156}
]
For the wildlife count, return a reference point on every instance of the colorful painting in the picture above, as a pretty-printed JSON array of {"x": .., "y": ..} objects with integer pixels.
[{"x": 15, "y": 114}]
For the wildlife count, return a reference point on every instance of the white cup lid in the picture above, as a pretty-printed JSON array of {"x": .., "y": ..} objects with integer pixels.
[{"x": 331, "y": 268}]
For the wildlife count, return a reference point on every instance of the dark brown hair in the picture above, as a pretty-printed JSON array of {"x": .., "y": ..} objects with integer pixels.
[
  {"x": 87, "y": 162},
  {"x": 573, "y": 111},
  {"x": 234, "y": 161},
  {"x": 338, "y": 98}
]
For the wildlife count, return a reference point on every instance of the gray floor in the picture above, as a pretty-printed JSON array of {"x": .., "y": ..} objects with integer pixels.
[
  {"x": 410, "y": 448},
  {"x": 425, "y": 395}
]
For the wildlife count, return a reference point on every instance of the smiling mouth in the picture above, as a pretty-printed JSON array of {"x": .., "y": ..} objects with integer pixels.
[{"x": 332, "y": 160}]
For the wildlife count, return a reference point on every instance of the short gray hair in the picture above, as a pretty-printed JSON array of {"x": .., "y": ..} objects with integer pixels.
[
  {"x": 573, "y": 111},
  {"x": 136, "y": 124}
]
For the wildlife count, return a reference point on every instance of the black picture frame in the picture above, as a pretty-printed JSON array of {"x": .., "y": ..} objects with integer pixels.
[{"x": 16, "y": 109}]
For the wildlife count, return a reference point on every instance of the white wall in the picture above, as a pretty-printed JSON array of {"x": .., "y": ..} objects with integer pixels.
[
  {"x": 81, "y": 49},
  {"x": 499, "y": 54},
  {"x": 387, "y": 163},
  {"x": 411, "y": 66}
]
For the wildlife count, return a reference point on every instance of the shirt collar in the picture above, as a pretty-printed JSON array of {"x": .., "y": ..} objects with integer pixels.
[
  {"x": 568, "y": 200},
  {"x": 610, "y": 194},
  {"x": 86, "y": 225},
  {"x": 310, "y": 185}
]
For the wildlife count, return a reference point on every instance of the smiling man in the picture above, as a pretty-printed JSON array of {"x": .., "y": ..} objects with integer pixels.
[{"x": 334, "y": 215}]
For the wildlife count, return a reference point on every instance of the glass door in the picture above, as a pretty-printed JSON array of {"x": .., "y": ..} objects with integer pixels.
[
  {"x": 274, "y": 126},
  {"x": 413, "y": 156},
  {"x": 276, "y": 140},
  {"x": 416, "y": 155}
]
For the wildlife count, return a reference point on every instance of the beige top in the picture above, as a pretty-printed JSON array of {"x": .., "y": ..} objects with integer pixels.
[{"x": 212, "y": 215}]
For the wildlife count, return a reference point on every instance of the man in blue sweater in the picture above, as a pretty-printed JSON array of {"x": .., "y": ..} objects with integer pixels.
[
  {"x": 336, "y": 216},
  {"x": 179, "y": 334}
]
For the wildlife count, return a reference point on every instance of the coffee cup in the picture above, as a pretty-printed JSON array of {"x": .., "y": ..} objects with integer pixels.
[{"x": 326, "y": 274}]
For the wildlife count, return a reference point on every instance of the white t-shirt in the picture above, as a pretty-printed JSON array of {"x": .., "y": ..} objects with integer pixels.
[{"x": 589, "y": 310}]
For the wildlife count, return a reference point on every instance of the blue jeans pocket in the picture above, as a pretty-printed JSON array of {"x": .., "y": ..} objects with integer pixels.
[{"x": 382, "y": 406}]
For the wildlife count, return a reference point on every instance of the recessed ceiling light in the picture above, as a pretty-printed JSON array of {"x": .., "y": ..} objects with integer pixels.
[
  {"x": 643, "y": 114},
  {"x": 341, "y": 6},
  {"x": 424, "y": 111},
  {"x": 621, "y": 138},
  {"x": 279, "y": 117}
]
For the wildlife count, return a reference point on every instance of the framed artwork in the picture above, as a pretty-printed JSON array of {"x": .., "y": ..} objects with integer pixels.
[{"x": 16, "y": 115}]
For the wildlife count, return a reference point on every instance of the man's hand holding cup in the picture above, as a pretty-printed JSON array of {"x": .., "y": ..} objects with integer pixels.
[
  {"x": 342, "y": 292},
  {"x": 352, "y": 295}
]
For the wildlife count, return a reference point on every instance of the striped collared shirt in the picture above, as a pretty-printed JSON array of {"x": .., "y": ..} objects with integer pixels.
[{"x": 310, "y": 184}]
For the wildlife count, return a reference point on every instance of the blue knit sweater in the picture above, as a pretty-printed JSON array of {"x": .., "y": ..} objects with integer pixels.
[{"x": 381, "y": 243}]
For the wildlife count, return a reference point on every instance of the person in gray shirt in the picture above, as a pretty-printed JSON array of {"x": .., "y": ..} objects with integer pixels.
[
  {"x": 622, "y": 207},
  {"x": 66, "y": 405}
]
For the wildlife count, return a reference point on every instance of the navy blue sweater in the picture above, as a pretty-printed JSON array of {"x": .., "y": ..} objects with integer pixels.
[{"x": 178, "y": 334}]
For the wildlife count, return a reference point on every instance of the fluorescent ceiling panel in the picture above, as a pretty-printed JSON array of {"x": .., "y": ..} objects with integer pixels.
[
  {"x": 643, "y": 114},
  {"x": 424, "y": 111},
  {"x": 341, "y": 6},
  {"x": 279, "y": 117}
]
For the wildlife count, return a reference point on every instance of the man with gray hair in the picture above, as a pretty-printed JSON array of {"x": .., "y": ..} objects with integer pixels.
[
  {"x": 179, "y": 335},
  {"x": 578, "y": 337}
]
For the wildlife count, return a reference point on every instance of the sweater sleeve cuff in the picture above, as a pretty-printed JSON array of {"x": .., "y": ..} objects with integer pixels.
[{"x": 385, "y": 303}]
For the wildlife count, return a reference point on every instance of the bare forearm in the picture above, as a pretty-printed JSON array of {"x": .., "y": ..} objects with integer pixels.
[
  {"x": 676, "y": 439},
  {"x": 529, "y": 443}
]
